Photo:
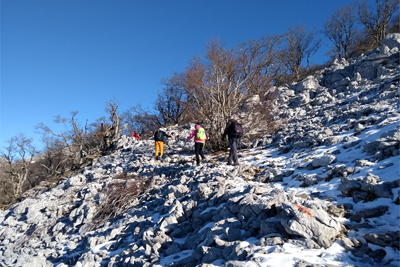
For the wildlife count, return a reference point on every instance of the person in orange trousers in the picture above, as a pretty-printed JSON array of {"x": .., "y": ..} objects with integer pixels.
[{"x": 159, "y": 143}]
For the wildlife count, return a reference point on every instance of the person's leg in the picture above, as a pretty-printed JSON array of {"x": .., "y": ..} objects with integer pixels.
[
  {"x": 202, "y": 152},
  {"x": 235, "y": 151},
  {"x": 231, "y": 150},
  {"x": 161, "y": 149},
  {"x": 197, "y": 147},
  {"x": 233, "y": 157},
  {"x": 157, "y": 148}
]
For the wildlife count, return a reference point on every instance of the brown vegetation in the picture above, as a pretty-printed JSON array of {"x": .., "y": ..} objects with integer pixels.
[
  {"x": 208, "y": 91},
  {"x": 120, "y": 195}
]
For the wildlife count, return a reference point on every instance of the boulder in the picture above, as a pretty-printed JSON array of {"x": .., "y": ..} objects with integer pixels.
[
  {"x": 311, "y": 223},
  {"x": 392, "y": 40}
]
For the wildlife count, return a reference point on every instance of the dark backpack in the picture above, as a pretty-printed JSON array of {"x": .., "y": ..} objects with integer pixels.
[
  {"x": 158, "y": 136},
  {"x": 237, "y": 129}
]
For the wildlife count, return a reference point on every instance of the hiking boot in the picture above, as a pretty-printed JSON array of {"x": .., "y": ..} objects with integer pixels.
[{"x": 158, "y": 158}]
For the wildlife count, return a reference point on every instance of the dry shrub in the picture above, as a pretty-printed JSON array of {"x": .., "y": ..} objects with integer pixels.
[
  {"x": 121, "y": 194},
  {"x": 285, "y": 79},
  {"x": 259, "y": 120}
]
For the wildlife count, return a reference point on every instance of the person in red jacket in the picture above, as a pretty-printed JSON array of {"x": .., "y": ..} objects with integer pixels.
[
  {"x": 135, "y": 135},
  {"x": 198, "y": 144}
]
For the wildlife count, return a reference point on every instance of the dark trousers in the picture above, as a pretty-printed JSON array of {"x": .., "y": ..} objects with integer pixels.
[
  {"x": 198, "y": 148},
  {"x": 233, "y": 154}
]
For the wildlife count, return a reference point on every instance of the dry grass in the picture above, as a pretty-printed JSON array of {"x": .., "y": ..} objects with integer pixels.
[{"x": 121, "y": 194}]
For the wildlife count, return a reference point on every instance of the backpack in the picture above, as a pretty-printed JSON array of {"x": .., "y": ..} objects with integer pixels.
[
  {"x": 237, "y": 129},
  {"x": 159, "y": 135},
  {"x": 200, "y": 134}
]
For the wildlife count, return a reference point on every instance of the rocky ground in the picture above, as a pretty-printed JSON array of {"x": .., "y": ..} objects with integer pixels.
[{"x": 322, "y": 191}]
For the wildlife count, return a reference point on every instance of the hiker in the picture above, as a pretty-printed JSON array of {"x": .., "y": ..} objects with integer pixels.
[
  {"x": 234, "y": 131},
  {"x": 159, "y": 142},
  {"x": 199, "y": 142},
  {"x": 135, "y": 135}
]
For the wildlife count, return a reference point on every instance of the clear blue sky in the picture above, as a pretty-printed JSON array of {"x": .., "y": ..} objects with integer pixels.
[{"x": 59, "y": 56}]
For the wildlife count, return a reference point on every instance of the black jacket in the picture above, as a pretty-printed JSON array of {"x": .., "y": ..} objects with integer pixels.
[
  {"x": 159, "y": 135},
  {"x": 229, "y": 128}
]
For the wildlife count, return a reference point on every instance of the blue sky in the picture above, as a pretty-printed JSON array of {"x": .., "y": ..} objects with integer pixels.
[{"x": 59, "y": 56}]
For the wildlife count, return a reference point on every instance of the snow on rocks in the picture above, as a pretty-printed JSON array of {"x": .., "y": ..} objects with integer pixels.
[{"x": 323, "y": 190}]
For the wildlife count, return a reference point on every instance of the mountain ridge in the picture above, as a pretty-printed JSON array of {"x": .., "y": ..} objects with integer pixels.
[{"x": 323, "y": 190}]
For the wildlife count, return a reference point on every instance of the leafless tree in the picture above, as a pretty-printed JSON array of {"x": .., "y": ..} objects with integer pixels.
[
  {"x": 94, "y": 136},
  {"x": 138, "y": 119},
  {"x": 112, "y": 134},
  {"x": 55, "y": 158},
  {"x": 128, "y": 117},
  {"x": 72, "y": 139},
  {"x": 340, "y": 29},
  {"x": 376, "y": 20},
  {"x": 218, "y": 84},
  {"x": 18, "y": 158},
  {"x": 169, "y": 102},
  {"x": 301, "y": 45},
  {"x": 261, "y": 65},
  {"x": 394, "y": 26},
  {"x": 77, "y": 145}
]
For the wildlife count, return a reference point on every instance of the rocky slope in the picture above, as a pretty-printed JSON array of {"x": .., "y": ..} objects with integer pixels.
[{"x": 322, "y": 191}]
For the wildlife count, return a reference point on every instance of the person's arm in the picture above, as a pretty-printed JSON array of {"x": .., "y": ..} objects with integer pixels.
[
  {"x": 191, "y": 136},
  {"x": 228, "y": 124},
  {"x": 166, "y": 135}
]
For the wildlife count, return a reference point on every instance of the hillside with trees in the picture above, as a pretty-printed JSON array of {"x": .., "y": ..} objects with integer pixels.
[
  {"x": 210, "y": 89},
  {"x": 321, "y": 190}
]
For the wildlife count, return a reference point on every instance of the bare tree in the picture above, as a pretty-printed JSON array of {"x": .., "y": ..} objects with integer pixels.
[
  {"x": 138, "y": 119},
  {"x": 79, "y": 145},
  {"x": 340, "y": 29},
  {"x": 217, "y": 85},
  {"x": 54, "y": 159},
  {"x": 169, "y": 102},
  {"x": 72, "y": 139},
  {"x": 394, "y": 26},
  {"x": 128, "y": 118},
  {"x": 18, "y": 158},
  {"x": 300, "y": 46},
  {"x": 261, "y": 63},
  {"x": 94, "y": 136},
  {"x": 376, "y": 20},
  {"x": 112, "y": 133}
]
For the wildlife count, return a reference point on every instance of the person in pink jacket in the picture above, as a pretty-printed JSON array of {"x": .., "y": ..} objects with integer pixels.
[{"x": 198, "y": 143}]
